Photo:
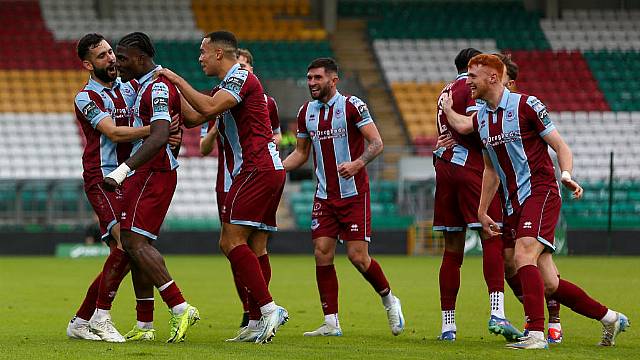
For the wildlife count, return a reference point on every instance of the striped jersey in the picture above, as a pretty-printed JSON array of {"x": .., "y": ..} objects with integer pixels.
[
  {"x": 334, "y": 130},
  {"x": 223, "y": 178},
  {"x": 93, "y": 104},
  {"x": 245, "y": 130},
  {"x": 158, "y": 99},
  {"x": 512, "y": 135},
  {"x": 467, "y": 151}
]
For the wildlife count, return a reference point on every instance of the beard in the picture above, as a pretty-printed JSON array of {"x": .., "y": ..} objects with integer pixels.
[
  {"x": 103, "y": 75},
  {"x": 322, "y": 93}
]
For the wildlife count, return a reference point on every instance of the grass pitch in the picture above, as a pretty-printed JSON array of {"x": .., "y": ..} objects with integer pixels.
[{"x": 40, "y": 294}]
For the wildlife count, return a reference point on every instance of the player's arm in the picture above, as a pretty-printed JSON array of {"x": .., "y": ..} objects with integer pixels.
[
  {"x": 207, "y": 106},
  {"x": 274, "y": 118},
  {"x": 300, "y": 154},
  {"x": 490, "y": 183},
  {"x": 565, "y": 161},
  {"x": 373, "y": 149},
  {"x": 121, "y": 134},
  {"x": 463, "y": 124},
  {"x": 208, "y": 141}
]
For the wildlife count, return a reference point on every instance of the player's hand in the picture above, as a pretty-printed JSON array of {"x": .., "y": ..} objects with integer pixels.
[
  {"x": 445, "y": 141},
  {"x": 170, "y": 75},
  {"x": 175, "y": 139},
  {"x": 572, "y": 185},
  {"x": 447, "y": 102},
  {"x": 489, "y": 227},
  {"x": 109, "y": 184},
  {"x": 174, "y": 127},
  {"x": 348, "y": 169}
]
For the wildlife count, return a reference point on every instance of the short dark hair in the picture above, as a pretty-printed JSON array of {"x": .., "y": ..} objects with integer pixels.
[
  {"x": 463, "y": 57},
  {"x": 225, "y": 37},
  {"x": 512, "y": 67},
  {"x": 329, "y": 64},
  {"x": 246, "y": 53},
  {"x": 139, "y": 40},
  {"x": 87, "y": 43}
]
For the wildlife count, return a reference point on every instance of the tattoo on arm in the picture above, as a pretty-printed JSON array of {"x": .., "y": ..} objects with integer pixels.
[{"x": 372, "y": 151}]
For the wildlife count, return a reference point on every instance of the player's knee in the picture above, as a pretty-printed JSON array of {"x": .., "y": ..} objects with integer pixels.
[
  {"x": 360, "y": 260},
  {"x": 323, "y": 255}
]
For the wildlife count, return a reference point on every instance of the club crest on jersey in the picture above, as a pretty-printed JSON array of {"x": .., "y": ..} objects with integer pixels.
[
  {"x": 510, "y": 115},
  {"x": 338, "y": 112},
  {"x": 91, "y": 110}
]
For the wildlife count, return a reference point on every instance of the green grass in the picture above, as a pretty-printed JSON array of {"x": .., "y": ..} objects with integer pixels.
[{"x": 39, "y": 295}]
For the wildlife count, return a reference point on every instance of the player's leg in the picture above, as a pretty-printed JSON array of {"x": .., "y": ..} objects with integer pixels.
[
  {"x": 549, "y": 273},
  {"x": 143, "y": 289},
  {"x": 527, "y": 251},
  {"x": 258, "y": 244},
  {"x": 449, "y": 281},
  {"x": 573, "y": 297},
  {"x": 358, "y": 252},
  {"x": 78, "y": 327},
  {"x": 115, "y": 268},
  {"x": 324, "y": 249}
]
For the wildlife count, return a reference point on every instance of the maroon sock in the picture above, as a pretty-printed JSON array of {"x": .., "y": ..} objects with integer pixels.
[
  {"x": 375, "y": 277},
  {"x": 88, "y": 306},
  {"x": 450, "y": 279},
  {"x": 533, "y": 294},
  {"x": 172, "y": 295},
  {"x": 573, "y": 297},
  {"x": 144, "y": 310},
  {"x": 245, "y": 263},
  {"x": 265, "y": 267},
  {"x": 328, "y": 288},
  {"x": 114, "y": 270},
  {"x": 243, "y": 295},
  {"x": 493, "y": 264},
  {"x": 553, "y": 308},
  {"x": 516, "y": 286}
]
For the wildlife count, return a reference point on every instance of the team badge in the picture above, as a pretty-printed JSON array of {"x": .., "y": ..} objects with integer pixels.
[{"x": 314, "y": 224}]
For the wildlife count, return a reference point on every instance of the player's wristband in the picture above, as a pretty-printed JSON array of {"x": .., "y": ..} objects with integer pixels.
[
  {"x": 120, "y": 173},
  {"x": 565, "y": 176}
]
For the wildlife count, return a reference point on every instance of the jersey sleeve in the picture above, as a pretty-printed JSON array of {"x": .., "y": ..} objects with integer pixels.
[
  {"x": 358, "y": 112},
  {"x": 91, "y": 106},
  {"x": 538, "y": 116},
  {"x": 273, "y": 115},
  {"x": 302, "y": 122},
  {"x": 160, "y": 102},
  {"x": 237, "y": 84},
  {"x": 474, "y": 121},
  {"x": 204, "y": 129}
]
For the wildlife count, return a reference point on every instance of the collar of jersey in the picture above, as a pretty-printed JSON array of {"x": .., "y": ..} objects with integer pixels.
[
  {"x": 230, "y": 72},
  {"x": 331, "y": 101},
  {"x": 464, "y": 74},
  {"x": 149, "y": 75},
  {"x": 96, "y": 86}
]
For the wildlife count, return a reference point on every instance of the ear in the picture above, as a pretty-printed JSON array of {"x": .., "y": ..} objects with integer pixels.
[{"x": 87, "y": 65}]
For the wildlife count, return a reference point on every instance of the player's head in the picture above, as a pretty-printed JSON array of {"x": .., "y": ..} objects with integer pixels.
[
  {"x": 484, "y": 73},
  {"x": 217, "y": 48},
  {"x": 322, "y": 78},
  {"x": 245, "y": 59},
  {"x": 134, "y": 55},
  {"x": 97, "y": 57},
  {"x": 511, "y": 71},
  {"x": 463, "y": 57}
]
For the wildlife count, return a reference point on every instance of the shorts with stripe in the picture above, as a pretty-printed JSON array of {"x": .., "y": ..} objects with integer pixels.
[
  {"x": 253, "y": 199},
  {"x": 537, "y": 217},
  {"x": 457, "y": 198},
  {"x": 107, "y": 205},
  {"x": 147, "y": 197},
  {"x": 346, "y": 219},
  {"x": 220, "y": 198}
]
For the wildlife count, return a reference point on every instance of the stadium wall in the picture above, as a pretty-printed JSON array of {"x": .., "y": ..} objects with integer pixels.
[{"x": 198, "y": 243}]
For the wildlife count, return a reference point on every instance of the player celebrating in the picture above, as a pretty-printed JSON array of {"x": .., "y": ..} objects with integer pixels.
[
  {"x": 458, "y": 184},
  {"x": 149, "y": 189},
  {"x": 516, "y": 131},
  {"x": 102, "y": 109},
  {"x": 253, "y": 161},
  {"x": 336, "y": 126},
  {"x": 208, "y": 135}
]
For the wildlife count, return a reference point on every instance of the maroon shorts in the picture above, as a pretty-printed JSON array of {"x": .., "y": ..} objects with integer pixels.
[
  {"x": 345, "y": 219},
  {"x": 458, "y": 197},
  {"x": 107, "y": 206},
  {"x": 220, "y": 197},
  {"x": 147, "y": 197},
  {"x": 253, "y": 199},
  {"x": 536, "y": 218}
]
